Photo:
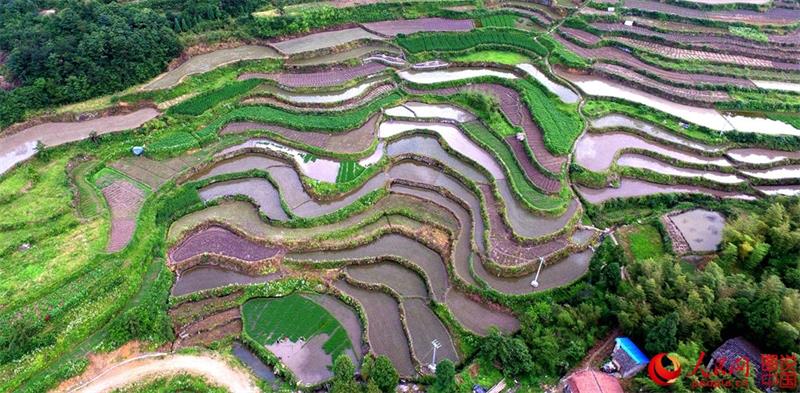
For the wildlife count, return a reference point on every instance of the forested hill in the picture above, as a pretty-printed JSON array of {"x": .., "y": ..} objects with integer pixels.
[{"x": 67, "y": 51}]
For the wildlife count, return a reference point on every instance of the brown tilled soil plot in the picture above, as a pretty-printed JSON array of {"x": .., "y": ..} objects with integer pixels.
[
  {"x": 478, "y": 317},
  {"x": 221, "y": 241},
  {"x": 124, "y": 199}
]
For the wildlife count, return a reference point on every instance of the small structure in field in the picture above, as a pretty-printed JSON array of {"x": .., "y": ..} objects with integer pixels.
[
  {"x": 736, "y": 353},
  {"x": 590, "y": 381},
  {"x": 627, "y": 358},
  {"x": 695, "y": 231}
]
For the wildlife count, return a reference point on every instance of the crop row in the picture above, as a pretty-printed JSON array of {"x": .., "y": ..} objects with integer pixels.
[
  {"x": 199, "y": 104},
  {"x": 445, "y": 42}
]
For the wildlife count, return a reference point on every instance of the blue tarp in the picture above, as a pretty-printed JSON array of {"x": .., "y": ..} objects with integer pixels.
[{"x": 632, "y": 350}]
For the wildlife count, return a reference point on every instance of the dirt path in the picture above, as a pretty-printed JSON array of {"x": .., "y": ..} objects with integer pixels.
[{"x": 152, "y": 365}]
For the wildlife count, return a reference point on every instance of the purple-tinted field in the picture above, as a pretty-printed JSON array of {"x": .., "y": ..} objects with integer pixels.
[
  {"x": 330, "y": 77},
  {"x": 220, "y": 241},
  {"x": 124, "y": 199}
]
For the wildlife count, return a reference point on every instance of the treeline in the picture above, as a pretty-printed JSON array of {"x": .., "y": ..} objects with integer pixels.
[{"x": 84, "y": 50}]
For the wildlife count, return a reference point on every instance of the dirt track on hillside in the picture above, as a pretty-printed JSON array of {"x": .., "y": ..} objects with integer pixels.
[{"x": 153, "y": 365}]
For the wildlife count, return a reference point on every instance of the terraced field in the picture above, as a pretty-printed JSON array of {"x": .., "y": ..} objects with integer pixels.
[{"x": 383, "y": 184}]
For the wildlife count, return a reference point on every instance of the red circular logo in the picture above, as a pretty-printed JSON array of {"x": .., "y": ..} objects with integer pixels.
[{"x": 659, "y": 371}]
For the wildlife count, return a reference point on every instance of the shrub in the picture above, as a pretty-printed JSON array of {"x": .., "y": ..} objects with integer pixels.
[{"x": 382, "y": 373}]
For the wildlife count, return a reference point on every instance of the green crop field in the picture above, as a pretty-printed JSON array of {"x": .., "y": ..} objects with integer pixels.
[
  {"x": 268, "y": 320},
  {"x": 349, "y": 170},
  {"x": 203, "y": 102},
  {"x": 499, "y": 20},
  {"x": 559, "y": 122},
  {"x": 447, "y": 42}
]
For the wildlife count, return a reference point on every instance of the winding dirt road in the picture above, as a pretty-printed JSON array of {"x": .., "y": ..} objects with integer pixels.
[{"x": 148, "y": 366}]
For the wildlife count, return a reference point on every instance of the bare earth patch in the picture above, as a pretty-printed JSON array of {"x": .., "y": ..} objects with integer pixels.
[{"x": 124, "y": 199}]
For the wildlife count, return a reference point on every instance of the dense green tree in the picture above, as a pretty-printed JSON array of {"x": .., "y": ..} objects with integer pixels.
[
  {"x": 509, "y": 354},
  {"x": 343, "y": 371},
  {"x": 383, "y": 374},
  {"x": 445, "y": 381},
  {"x": 662, "y": 338}
]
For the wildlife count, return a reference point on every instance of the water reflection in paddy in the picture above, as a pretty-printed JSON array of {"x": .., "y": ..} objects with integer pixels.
[
  {"x": 431, "y": 77},
  {"x": 615, "y": 121},
  {"x": 644, "y": 162},
  {"x": 430, "y": 111},
  {"x": 563, "y": 92}
]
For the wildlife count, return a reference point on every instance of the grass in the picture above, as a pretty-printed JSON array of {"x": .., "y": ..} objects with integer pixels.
[
  {"x": 748, "y": 33},
  {"x": 519, "y": 182},
  {"x": 493, "y": 56},
  {"x": 645, "y": 242},
  {"x": 560, "y": 122},
  {"x": 89, "y": 203},
  {"x": 48, "y": 197},
  {"x": 268, "y": 320},
  {"x": 176, "y": 383},
  {"x": 349, "y": 170}
]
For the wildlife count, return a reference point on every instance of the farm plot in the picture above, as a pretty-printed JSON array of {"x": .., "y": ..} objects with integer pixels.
[
  {"x": 345, "y": 315},
  {"x": 356, "y": 141},
  {"x": 154, "y": 173},
  {"x": 327, "y": 78},
  {"x": 478, "y": 317},
  {"x": 303, "y": 334},
  {"x": 771, "y": 16},
  {"x": 701, "y": 229},
  {"x": 202, "y": 277},
  {"x": 690, "y": 95},
  {"x": 424, "y": 327},
  {"x": 392, "y": 28},
  {"x": 261, "y": 191},
  {"x": 349, "y": 171},
  {"x": 217, "y": 240},
  {"x": 452, "y": 42},
  {"x": 629, "y": 188},
  {"x": 372, "y": 94},
  {"x": 358, "y": 52},
  {"x": 385, "y": 329},
  {"x": 393, "y": 275},
  {"x": 124, "y": 200}
]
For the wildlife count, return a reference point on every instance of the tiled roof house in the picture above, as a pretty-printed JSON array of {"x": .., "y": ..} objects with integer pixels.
[
  {"x": 590, "y": 381},
  {"x": 731, "y": 351}
]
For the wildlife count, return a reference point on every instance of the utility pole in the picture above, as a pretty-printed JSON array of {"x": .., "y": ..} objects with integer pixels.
[
  {"x": 535, "y": 282},
  {"x": 436, "y": 345}
]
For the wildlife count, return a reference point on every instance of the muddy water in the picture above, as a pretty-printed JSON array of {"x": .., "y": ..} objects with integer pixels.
[
  {"x": 604, "y": 88},
  {"x": 339, "y": 57},
  {"x": 478, "y": 317},
  {"x": 329, "y": 98},
  {"x": 385, "y": 329},
  {"x": 260, "y": 190},
  {"x": 596, "y": 151},
  {"x": 702, "y": 229},
  {"x": 21, "y": 145},
  {"x": 634, "y": 188},
  {"x": 391, "y": 244},
  {"x": 402, "y": 280},
  {"x": 307, "y": 359},
  {"x": 613, "y": 121},
  {"x": 553, "y": 275},
  {"x": 454, "y": 138},
  {"x": 776, "y": 85},
  {"x": 204, "y": 277},
  {"x": 289, "y": 183},
  {"x": 761, "y": 156},
  {"x": 761, "y": 125},
  {"x": 582, "y": 236},
  {"x": 430, "y": 111},
  {"x": 454, "y": 74},
  {"x": 787, "y": 172},
  {"x": 780, "y": 190},
  {"x": 424, "y": 327},
  {"x": 563, "y": 92},
  {"x": 252, "y": 361},
  {"x": 645, "y": 162},
  {"x": 519, "y": 218}
]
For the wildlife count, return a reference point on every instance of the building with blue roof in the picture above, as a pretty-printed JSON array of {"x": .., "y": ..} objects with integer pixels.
[{"x": 628, "y": 358}]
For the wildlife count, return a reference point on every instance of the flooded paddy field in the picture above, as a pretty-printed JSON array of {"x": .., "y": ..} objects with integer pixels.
[{"x": 203, "y": 277}]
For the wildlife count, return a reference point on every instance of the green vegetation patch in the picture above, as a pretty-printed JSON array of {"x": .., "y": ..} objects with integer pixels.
[
  {"x": 559, "y": 54},
  {"x": 172, "y": 142},
  {"x": 749, "y": 33},
  {"x": 449, "y": 42},
  {"x": 645, "y": 242},
  {"x": 560, "y": 122},
  {"x": 499, "y": 20},
  {"x": 201, "y": 103},
  {"x": 268, "y": 320},
  {"x": 519, "y": 182},
  {"x": 493, "y": 56},
  {"x": 349, "y": 170},
  {"x": 340, "y": 121},
  {"x": 177, "y": 383}
]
